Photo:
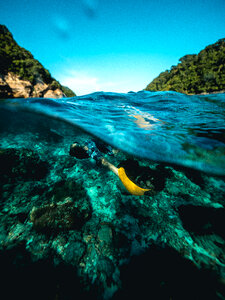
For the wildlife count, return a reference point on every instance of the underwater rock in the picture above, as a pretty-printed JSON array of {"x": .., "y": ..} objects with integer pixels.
[
  {"x": 53, "y": 218},
  {"x": 21, "y": 164},
  {"x": 74, "y": 251},
  {"x": 67, "y": 216},
  {"x": 200, "y": 220},
  {"x": 70, "y": 209},
  {"x": 69, "y": 190}
]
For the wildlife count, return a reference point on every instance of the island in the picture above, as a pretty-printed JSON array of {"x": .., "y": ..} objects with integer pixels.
[
  {"x": 23, "y": 76},
  {"x": 195, "y": 73}
]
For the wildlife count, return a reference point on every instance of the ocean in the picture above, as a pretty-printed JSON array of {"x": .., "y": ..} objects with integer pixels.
[
  {"x": 113, "y": 196},
  {"x": 161, "y": 126}
]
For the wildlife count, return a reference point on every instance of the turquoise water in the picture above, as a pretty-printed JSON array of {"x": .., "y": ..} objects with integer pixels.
[
  {"x": 160, "y": 126},
  {"x": 66, "y": 216}
]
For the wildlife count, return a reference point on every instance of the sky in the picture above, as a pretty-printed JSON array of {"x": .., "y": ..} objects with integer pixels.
[{"x": 112, "y": 45}]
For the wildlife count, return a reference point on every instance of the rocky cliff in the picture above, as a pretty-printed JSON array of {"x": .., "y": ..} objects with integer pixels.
[
  {"x": 22, "y": 76},
  {"x": 12, "y": 86}
]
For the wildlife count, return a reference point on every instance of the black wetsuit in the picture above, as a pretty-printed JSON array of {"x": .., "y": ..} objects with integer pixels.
[{"x": 94, "y": 151}]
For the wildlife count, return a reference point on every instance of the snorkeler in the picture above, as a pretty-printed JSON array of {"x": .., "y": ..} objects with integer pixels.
[{"x": 91, "y": 149}]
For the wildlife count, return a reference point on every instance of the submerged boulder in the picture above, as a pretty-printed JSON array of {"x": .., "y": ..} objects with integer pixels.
[
  {"x": 21, "y": 164},
  {"x": 70, "y": 209},
  {"x": 55, "y": 217}
]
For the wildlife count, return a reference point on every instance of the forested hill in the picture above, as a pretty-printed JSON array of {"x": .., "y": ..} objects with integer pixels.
[
  {"x": 196, "y": 73},
  {"x": 18, "y": 68}
]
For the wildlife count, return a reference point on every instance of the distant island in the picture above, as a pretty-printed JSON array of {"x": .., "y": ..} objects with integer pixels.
[
  {"x": 22, "y": 76},
  {"x": 196, "y": 73}
]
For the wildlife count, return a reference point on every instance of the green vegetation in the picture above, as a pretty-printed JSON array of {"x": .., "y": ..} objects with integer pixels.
[
  {"x": 18, "y": 60},
  {"x": 201, "y": 73},
  {"x": 68, "y": 92}
]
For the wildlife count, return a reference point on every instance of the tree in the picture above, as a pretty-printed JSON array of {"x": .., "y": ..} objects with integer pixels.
[
  {"x": 204, "y": 72},
  {"x": 18, "y": 60}
]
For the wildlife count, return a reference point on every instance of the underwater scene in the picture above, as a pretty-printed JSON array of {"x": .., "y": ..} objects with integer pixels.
[{"x": 113, "y": 196}]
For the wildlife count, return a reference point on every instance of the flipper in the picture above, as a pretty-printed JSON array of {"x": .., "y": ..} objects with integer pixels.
[{"x": 130, "y": 185}]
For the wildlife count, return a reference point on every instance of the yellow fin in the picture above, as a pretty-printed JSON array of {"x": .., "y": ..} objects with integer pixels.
[{"x": 130, "y": 185}]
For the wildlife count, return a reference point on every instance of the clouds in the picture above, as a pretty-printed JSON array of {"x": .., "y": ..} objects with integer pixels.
[
  {"x": 108, "y": 73},
  {"x": 83, "y": 83},
  {"x": 80, "y": 83}
]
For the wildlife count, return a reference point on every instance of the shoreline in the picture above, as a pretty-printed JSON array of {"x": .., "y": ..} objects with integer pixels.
[{"x": 204, "y": 93}]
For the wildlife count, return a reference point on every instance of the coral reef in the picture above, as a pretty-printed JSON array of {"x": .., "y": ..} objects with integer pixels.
[{"x": 69, "y": 229}]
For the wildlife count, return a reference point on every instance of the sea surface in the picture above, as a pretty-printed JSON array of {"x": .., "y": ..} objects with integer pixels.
[{"x": 165, "y": 127}]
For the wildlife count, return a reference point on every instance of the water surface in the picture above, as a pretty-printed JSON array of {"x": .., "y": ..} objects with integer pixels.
[{"x": 160, "y": 126}]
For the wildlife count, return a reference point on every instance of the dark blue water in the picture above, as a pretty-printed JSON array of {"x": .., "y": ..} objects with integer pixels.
[{"x": 160, "y": 126}]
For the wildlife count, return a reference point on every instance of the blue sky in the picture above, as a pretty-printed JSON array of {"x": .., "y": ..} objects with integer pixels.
[{"x": 112, "y": 45}]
